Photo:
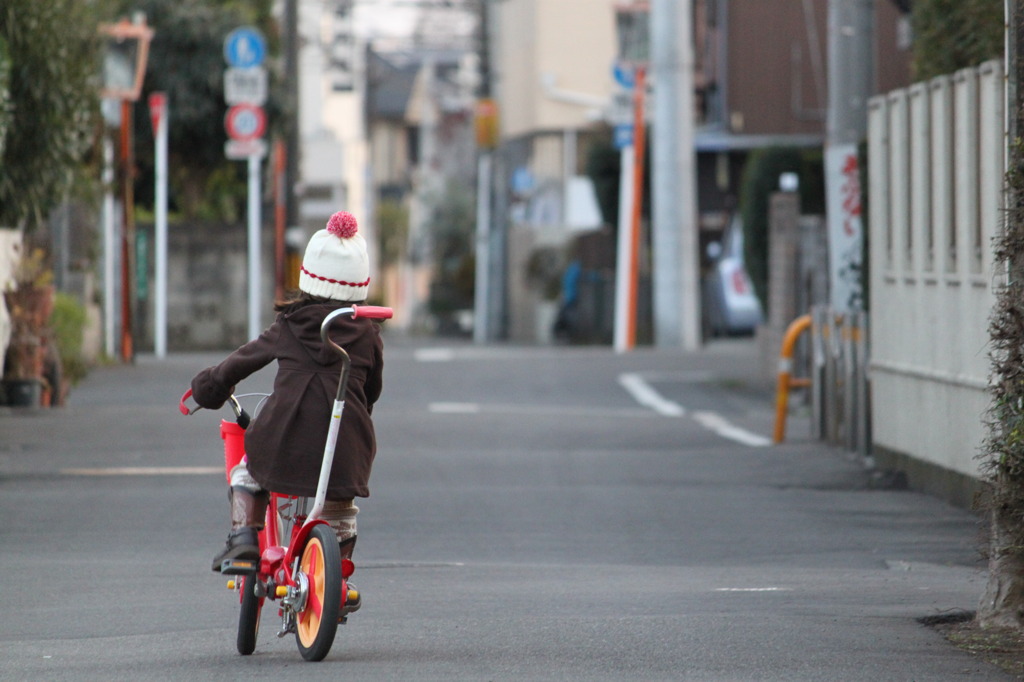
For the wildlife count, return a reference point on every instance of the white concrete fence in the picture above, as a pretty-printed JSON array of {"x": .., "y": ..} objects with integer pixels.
[{"x": 936, "y": 167}]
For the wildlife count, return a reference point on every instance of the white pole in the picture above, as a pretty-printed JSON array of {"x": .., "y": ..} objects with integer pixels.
[
  {"x": 254, "y": 246},
  {"x": 109, "y": 248},
  {"x": 160, "y": 319},
  {"x": 481, "y": 312},
  {"x": 624, "y": 251}
]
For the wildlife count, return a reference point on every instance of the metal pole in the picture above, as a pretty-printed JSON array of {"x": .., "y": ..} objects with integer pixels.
[
  {"x": 482, "y": 312},
  {"x": 291, "y": 56},
  {"x": 254, "y": 246},
  {"x": 485, "y": 267},
  {"x": 639, "y": 145},
  {"x": 674, "y": 224},
  {"x": 160, "y": 331},
  {"x": 127, "y": 231},
  {"x": 109, "y": 248},
  {"x": 624, "y": 244}
]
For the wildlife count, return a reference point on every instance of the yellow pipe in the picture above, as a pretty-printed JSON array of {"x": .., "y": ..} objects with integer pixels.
[{"x": 795, "y": 329}]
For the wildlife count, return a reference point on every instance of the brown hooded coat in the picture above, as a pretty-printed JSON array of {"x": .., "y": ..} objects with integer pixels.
[{"x": 285, "y": 443}]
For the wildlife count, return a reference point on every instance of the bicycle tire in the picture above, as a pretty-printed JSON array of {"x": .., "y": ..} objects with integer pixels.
[
  {"x": 248, "y": 616},
  {"x": 317, "y": 624}
]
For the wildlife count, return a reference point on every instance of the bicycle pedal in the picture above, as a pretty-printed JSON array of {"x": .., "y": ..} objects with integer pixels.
[{"x": 239, "y": 566}]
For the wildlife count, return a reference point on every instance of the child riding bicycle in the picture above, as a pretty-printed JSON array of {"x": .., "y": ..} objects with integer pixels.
[{"x": 284, "y": 445}]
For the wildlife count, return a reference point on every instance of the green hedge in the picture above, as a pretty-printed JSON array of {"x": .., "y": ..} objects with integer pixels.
[{"x": 954, "y": 34}]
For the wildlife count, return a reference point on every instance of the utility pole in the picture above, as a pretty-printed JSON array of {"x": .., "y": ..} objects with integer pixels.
[
  {"x": 291, "y": 68},
  {"x": 486, "y": 138},
  {"x": 675, "y": 244},
  {"x": 850, "y": 69}
]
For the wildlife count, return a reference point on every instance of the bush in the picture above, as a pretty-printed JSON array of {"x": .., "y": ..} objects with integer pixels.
[
  {"x": 954, "y": 34},
  {"x": 68, "y": 324}
]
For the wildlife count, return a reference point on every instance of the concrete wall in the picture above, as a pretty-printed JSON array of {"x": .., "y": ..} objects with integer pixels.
[
  {"x": 936, "y": 158},
  {"x": 207, "y": 288}
]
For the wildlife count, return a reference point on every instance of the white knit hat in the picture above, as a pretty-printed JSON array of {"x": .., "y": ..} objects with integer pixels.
[{"x": 336, "y": 265}]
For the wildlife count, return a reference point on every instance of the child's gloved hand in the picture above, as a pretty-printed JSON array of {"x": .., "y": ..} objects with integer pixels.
[{"x": 207, "y": 392}]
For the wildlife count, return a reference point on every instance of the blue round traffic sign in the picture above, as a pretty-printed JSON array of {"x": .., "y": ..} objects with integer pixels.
[{"x": 245, "y": 47}]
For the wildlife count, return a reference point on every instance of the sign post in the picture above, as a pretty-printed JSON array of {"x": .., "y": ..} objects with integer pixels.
[
  {"x": 630, "y": 69},
  {"x": 245, "y": 89},
  {"x": 158, "y": 113}
]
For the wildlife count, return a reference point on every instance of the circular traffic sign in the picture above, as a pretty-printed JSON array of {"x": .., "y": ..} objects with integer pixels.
[
  {"x": 245, "y": 122},
  {"x": 245, "y": 47}
]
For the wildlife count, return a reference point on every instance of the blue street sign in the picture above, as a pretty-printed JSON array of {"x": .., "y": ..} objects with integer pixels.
[
  {"x": 623, "y": 136},
  {"x": 245, "y": 47},
  {"x": 624, "y": 75}
]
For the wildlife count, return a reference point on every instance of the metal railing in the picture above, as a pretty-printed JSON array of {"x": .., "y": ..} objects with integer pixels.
[{"x": 839, "y": 382}]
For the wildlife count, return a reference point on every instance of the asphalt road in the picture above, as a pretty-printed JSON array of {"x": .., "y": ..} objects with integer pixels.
[{"x": 536, "y": 514}]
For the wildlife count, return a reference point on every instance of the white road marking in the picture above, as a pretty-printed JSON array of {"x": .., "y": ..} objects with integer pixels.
[
  {"x": 633, "y": 382},
  {"x": 644, "y": 394},
  {"x": 721, "y": 426},
  {"x": 753, "y": 589},
  {"x": 647, "y": 396},
  {"x": 534, "y": 409},
  {"x": 143, "y": 471},
  {"x": 434, "y": 355},
  {"x": 455, "y": 408}
]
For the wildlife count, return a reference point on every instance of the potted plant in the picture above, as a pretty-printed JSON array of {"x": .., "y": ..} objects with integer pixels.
[{"x": 29, "y": 303}]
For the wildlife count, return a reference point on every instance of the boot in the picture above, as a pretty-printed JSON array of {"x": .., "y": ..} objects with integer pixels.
[{"x": 248, "y": 511}]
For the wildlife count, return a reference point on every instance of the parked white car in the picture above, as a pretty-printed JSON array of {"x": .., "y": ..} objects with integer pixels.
[{"x": 730, "y": 306}]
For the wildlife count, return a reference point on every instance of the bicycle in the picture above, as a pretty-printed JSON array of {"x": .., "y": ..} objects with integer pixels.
[{"x": 306, "y": 576}]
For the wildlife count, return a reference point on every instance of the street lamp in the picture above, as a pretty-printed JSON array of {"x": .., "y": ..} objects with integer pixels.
[
  {"x": 632, "y": 30},
  {"x": 124, "y": 67}
]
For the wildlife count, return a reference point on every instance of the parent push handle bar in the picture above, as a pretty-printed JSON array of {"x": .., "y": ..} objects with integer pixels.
[
  {"x": 380, "y": 313},
  {"x": 372, "y": 311}
]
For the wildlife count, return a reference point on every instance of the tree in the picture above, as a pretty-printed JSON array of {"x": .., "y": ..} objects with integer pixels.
[
  {"x": 1002, "y": 604},
  {"x": 953, "y": 34},
  {"x": 49, "y": 103},
  {"x": 452, "y": 222},
  {"x": 186, "y": 61}
]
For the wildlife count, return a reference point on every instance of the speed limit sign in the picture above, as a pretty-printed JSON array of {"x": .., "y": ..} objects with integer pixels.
[{"x": 245, "y": 122}]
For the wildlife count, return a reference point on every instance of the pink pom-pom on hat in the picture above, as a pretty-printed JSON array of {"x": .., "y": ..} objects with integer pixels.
[{"x": 343, "y": 225}]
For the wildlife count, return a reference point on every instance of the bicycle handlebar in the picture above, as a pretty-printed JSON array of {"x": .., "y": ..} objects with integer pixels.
[{"x": 242, "y": 417}]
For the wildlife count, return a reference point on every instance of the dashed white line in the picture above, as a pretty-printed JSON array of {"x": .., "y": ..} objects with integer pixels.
[
  {"x": 434, "y": 355},
  {"x": 721, "y": 426},
  {"x": 455, "y": 408},
  {"x": 647, "y": 396},
  {"x": 644, "y": 394},
  {"x": 143, "y": 471}
]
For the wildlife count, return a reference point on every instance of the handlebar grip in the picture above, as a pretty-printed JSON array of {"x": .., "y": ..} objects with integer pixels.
[
  {"x": 182, "y": 407},
  {"x": 378, "y": 312}
]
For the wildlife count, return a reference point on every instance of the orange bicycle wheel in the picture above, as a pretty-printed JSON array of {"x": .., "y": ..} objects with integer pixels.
[{"x": 320, "y": 566}]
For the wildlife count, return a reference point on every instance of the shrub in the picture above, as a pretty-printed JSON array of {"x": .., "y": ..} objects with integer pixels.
[{"x": 68, "y": 324}]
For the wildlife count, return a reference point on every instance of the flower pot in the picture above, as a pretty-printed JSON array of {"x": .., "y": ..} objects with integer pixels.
[{"x": 23, "y": 392}]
